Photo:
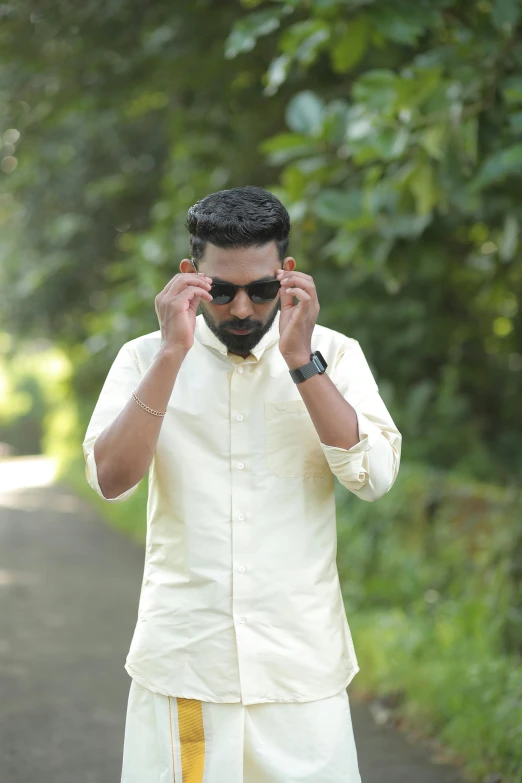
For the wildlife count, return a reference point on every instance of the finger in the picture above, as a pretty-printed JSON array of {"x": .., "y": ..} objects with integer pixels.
[
  {"x": 283, "y": 274},
  {"x": 182, "y": 275},
  {"x": 300, "y": 294},
  {"x": 308, "y": 289},
  {"x": 169, "y": 285},
  {"x": 188, "y": 280},
  {"x": 195, "y": 279},
  {"x": 173, "y": 280},
  {"x": 304, "y": 282},
  {"x": 287, "y": 299},
  {"x": 190, "y": 292}
]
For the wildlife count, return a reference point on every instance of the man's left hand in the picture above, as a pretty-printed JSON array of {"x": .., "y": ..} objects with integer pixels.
[{"x": 297, "y": 321}]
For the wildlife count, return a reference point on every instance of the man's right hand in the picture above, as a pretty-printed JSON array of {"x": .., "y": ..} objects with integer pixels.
[{"x": 176, "y": 308}]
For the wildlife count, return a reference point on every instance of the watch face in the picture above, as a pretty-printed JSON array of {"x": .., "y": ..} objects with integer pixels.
[{"x": 319, "y": 361}]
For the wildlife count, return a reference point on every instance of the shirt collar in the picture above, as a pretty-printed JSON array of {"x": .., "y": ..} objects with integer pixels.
[{"x": 207, "y": 337}]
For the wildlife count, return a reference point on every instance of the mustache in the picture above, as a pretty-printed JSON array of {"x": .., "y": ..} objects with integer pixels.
[{"x": 241, "y": 325}]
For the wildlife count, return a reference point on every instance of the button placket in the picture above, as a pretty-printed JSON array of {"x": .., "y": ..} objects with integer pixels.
[{"x": 240, "y": 391}]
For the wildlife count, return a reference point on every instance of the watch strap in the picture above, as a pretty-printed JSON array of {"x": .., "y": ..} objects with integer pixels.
[{"x": 301, "y": 374}]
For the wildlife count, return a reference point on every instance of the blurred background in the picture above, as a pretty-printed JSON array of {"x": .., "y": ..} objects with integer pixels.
[{"x": 392, "y": 132}]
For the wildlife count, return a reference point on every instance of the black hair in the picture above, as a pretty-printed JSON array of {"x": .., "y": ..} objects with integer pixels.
[{"x": 239, "y": 217}]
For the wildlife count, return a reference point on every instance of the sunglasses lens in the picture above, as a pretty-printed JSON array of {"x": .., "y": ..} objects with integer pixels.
[
  {"x": 260, "y": 293},
  {"x": 221, "y": 293}
]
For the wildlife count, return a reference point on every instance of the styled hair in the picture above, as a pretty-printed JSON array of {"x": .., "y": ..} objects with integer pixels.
[{"x": 239, "y": 217}]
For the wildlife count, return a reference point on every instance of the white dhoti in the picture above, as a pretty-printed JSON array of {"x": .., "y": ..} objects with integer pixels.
[{"x": 175, "y": 740}]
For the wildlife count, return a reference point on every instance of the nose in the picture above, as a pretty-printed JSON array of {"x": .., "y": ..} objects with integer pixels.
[{"x": 241, "y": 306}]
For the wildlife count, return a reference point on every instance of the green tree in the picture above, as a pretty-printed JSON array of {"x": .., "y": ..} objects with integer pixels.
[
  {"x": 390, "y": 130},
  {"x": 400, "y": 163}
]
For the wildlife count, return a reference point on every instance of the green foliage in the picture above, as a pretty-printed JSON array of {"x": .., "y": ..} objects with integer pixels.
[
  {"x": 244, "y": 36},
  {"x": 432, "y": 592},
  {"x": 351, "y": 44},
  {"x": 119, "y": 131},
  {"x": 390, "y": 130},
  {"x": 401, "y": 166},
  {"x": 305, "y": 114},
  {"x": 23, "y": 428},
  {"x": 35, "y": 398},
  {"x": 468, "y": 698}
]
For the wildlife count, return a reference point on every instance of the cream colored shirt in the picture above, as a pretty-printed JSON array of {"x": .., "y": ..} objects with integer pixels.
[{"x": 240, "y": 599}]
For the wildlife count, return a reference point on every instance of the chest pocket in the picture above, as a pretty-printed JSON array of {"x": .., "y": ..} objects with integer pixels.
[{"x": 293, "y": 448}]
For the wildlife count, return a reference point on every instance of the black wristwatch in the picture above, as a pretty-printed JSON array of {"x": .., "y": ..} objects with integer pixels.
[{"x": 316, "y": 366}]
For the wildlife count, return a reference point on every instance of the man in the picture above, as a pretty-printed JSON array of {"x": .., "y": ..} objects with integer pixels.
[{"x": 241, "y": 416}]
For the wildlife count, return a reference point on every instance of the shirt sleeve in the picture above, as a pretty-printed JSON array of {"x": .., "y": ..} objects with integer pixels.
[
  {"x": 370, "y": 467},
  {"x": 123, "y": 377}
]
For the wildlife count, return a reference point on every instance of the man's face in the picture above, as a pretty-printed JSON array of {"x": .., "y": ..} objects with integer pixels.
[{"x": 240, "y": 266}]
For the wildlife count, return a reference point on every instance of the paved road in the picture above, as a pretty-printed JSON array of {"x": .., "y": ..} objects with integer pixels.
[{"x": 69, "y": 588}]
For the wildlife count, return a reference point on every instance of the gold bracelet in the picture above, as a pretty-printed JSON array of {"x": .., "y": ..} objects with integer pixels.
[{"x": 146, "y": 407}]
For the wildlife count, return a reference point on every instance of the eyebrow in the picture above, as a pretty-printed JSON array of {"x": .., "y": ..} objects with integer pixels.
[{"x": 265, "y": 279}]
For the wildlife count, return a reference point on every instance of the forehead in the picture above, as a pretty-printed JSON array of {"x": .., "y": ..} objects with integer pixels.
[{"x": 240, "y": 265}]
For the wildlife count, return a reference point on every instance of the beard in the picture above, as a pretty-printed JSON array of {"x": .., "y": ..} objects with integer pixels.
[{"x": 240, "y": 343}]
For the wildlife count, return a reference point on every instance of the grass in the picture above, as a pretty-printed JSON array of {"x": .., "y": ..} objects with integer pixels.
[
  {"x": 430, "y": 580},
  {"x": 468, "y": 699}
]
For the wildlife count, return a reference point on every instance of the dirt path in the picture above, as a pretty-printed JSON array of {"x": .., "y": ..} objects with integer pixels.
[{"x": 69, "y": 589}]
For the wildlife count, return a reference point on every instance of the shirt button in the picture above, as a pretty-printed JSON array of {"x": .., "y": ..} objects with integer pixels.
[
  {"x": 240, "y": 465},
  {"x": 239, "y": 417},
  {"x": 241, "y": 517},
  {"x": 241, "y": 619},
  {"x": 241, "y": 569},
  {"x": 240, "y": 369}
]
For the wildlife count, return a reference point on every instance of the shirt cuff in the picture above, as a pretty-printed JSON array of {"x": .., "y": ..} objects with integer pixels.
[
  {"x": 369, "y": 433},
  {"x": 91, "y": 473},
  {"x": 349, "y": 465}
]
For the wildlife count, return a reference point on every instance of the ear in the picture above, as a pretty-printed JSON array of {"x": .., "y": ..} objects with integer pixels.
[
  {"x": 187, "y": 266},
  {"x": 289, "y": 264}
]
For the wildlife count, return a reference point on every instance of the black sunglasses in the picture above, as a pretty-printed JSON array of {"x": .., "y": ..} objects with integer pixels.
[{"x": 261, "y": 292}]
